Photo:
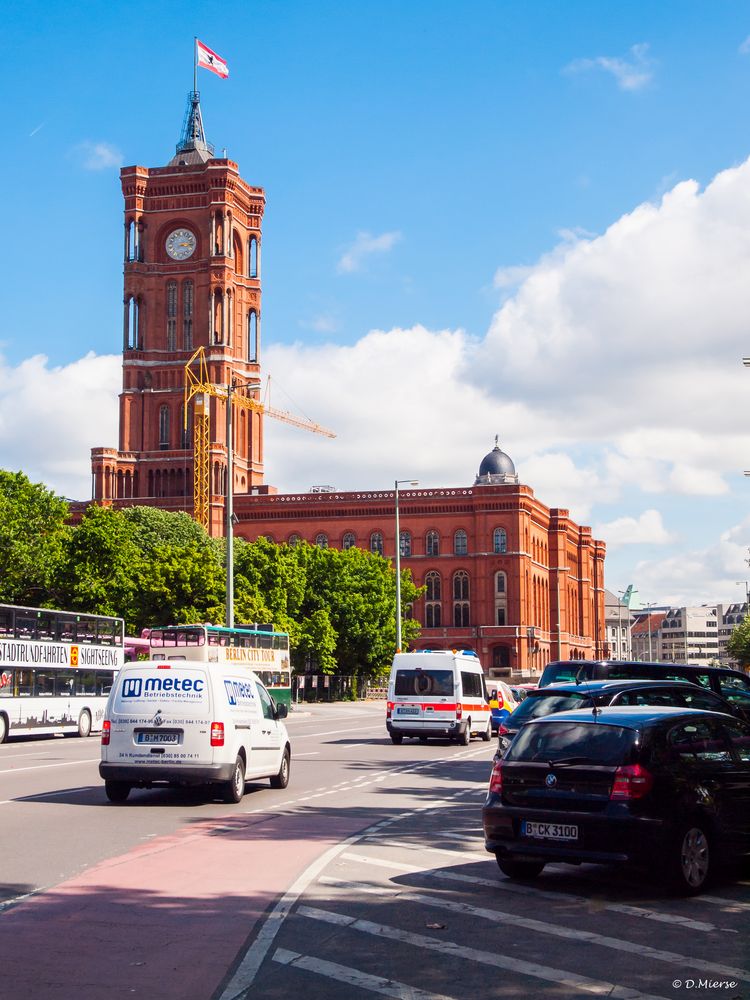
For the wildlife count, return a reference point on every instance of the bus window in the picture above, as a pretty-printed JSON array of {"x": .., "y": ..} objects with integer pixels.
[
  {"x": 6, "y": 684},
  {"x": 103, "y": 682},
  {"x": 24, "y": 683},
  {"x": 65, "y": 684},
  {"x": 86, "y": 682},
  {"x": 44, "y": 683}
]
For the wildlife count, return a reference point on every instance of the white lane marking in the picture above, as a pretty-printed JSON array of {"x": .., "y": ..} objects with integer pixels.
[
  {"x": 524, "y": 890},
  {"x": 308, "y": 753},
  {"x": 339, "y": 732},
  {"x": 254, "y": 956},
  {"x": 542, "y": 927},
  {"x": 445, "y": 947},
  {"x": 718, "y": 901},
  {"x": 362, "y": 980}
]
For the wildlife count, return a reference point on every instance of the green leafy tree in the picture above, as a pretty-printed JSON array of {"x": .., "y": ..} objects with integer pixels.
[
  {"x": 32, "y": 540},
  {"x": 179, "y": 583},
  {"x": 738, "y": 645},
  {"x": 155, "y": 527}
]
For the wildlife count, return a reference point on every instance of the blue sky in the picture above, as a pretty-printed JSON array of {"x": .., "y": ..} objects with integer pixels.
[{"x": 530, "y": 219}]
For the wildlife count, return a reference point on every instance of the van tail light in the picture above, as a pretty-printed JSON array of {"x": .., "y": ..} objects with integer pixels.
[
  {"x": 631, "y": 782},
  {"x": 459, "y": 710},
  {"x": 496, "y": 778},
  {"x": 217, "y": 734},
  {"x": 389, "y": 709},
  {"x": 106, "y": 732}
]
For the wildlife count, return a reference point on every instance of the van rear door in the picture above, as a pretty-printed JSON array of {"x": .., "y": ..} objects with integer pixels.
[{"x": 161, "y": 715}]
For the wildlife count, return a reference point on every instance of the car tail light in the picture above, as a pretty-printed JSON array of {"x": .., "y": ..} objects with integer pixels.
[
  {"x": 631, "y": 782},
  {"x": 502, "y": 730},
  {"x": 496, "y": 778},
  {"x": 389, "y": 709},
  {"x": 106, "y": 732},
  {"x": 459, "y": 710},
  {"x": 217, "y": 734}
]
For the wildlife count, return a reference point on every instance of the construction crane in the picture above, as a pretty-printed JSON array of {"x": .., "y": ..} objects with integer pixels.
[{"x": 200, "y": 388}]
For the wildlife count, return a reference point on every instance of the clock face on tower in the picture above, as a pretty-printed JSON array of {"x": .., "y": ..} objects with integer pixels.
[{"x": 180, "y": 244}]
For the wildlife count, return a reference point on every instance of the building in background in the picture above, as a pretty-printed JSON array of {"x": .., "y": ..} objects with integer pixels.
[
  {"x": 505, "y": 575},
  {"x": 677, "y": 635},
  {"x": 728, "y": 617},
  {"x": 618, "y": 622}
]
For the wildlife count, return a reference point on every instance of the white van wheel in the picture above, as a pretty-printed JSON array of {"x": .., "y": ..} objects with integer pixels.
[
  {"x": 465, "y": 736},
  {"x": 281, "y": 780},
  {"x": 234, "y": 789},
  {"x": 487, "y": 734}
]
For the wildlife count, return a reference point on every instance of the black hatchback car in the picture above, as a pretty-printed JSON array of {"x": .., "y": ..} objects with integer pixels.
[
  {"x": 664, "y": 788},
  {"x": 586, "y": 694}
]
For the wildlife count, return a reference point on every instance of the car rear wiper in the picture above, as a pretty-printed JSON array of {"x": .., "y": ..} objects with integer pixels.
[{"x": 569, "y": 760}]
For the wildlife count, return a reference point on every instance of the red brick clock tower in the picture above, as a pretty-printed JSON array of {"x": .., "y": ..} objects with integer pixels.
[{"x": 192, "y": 253}]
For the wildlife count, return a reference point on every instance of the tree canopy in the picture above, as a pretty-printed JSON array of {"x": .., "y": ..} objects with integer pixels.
[{"x": 738, "y": 644}]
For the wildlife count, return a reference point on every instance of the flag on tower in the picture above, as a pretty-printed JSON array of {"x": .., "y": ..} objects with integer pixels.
[{"x": 210, "y": 60}]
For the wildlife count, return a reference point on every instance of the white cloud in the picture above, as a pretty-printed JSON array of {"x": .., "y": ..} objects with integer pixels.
[
  {"x": 647, "y": 529},
  {"x": 744, "y": 48},
  {"x": 364, "y": 246},
  {"x": 633, "y": 73},
  {"x": 50, "y": 418},
  {"x": 97, "y": 155}
]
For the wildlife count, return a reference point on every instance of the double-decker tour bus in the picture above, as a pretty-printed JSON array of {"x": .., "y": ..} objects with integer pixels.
[
  {"x": 56, "y": 670},
  {"x": 265, "y": 651}
]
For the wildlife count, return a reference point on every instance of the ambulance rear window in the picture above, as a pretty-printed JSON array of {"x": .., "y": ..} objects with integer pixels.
[{"x": 423, "y": 682}]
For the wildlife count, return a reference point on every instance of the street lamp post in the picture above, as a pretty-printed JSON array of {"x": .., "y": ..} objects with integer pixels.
[{"x": 399, "y": 482}]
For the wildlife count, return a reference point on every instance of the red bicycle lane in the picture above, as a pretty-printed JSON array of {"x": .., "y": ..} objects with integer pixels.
[{"x": 168, "y": 919}]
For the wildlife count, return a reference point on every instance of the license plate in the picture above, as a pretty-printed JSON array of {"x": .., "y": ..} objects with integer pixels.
[
  {"x": 549, "y": 831},
  {"x": 158, "y": 738},
  {"x": 408, "y": 711}
]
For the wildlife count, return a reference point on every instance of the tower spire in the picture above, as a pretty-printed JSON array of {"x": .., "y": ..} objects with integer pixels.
[{"x": 192, "y": 147}]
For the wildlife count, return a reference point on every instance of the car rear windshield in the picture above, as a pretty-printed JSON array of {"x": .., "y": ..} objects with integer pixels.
[
  {"x": 535, "y": 706},
  {"x": 423, "y": 682},
  {"x": 564, "y": 673},
  {"x": 575, "y": 742}
]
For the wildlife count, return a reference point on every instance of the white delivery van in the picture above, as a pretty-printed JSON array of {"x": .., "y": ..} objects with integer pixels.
[
  {"x": 183, "y": 723},
  {"x": 437, "y": 693}
]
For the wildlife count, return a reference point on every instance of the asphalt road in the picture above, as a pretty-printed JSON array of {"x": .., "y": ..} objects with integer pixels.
[{"x": 365, "y": 877}]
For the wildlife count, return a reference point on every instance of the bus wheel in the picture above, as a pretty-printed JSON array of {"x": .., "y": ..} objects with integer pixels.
[
  {"x": 281, "y": 780},
  {"x": 234, "y": 789},
  {"x": 3, "y": 728},
  {"x": 84, "y": 723},
  {"x": 116, "y": 791}
]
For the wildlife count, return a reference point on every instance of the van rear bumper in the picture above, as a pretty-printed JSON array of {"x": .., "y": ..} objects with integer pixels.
[
  {"x": 144, "y": 775},
  {"x": 427, "y": 728}
]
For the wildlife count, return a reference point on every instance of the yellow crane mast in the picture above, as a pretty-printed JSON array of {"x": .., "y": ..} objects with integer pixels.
[{"x": 200, "y": 388}]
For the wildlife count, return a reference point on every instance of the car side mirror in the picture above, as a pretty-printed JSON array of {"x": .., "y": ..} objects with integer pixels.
[{"x": 281, "y": 712}]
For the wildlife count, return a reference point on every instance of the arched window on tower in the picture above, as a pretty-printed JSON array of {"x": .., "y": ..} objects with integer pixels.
[
  {"x": 376, "y": 543},
  {"x": 405, "y": 540},
  {"x": 133, "y": 324},
  {"x": 432, "y": 598},
  {"x": 349, "y": 540},
  {"x": 188, "y": 305},
  {"x": 499, "y": 541},
  {"x": 218, "y": 316},
  {"x": 229, "y": 319},
  {"x": 171, "y": 315},
  {"x": 253, "y": 257},
  {"x": 164, "y": 427},
  {"x": 321, "y": 540},
  {"x": 131, "y": 241},
  {"x": 252, "y": 336},
  {"x": 186, "y": 432}
]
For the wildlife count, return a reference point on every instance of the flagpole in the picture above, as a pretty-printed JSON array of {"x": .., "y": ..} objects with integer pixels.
[{"x": 195, "y": 63}]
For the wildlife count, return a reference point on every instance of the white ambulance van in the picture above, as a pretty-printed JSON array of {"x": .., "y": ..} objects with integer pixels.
[
  {"x": 182, "y": 723},
  {"x": 437, "y": 693}
]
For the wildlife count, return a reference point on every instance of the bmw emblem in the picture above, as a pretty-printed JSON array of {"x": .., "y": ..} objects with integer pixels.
[{"x": 551, "y": 780}]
